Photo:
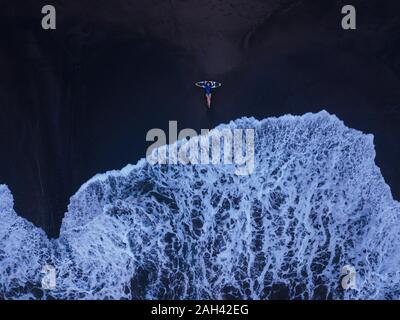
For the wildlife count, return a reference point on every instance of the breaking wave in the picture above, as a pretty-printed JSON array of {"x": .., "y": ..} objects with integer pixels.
[{"x": 315, "y": 203}]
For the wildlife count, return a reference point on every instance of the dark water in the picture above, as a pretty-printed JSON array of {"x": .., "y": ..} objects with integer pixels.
[{"x": 80, "y": 101}]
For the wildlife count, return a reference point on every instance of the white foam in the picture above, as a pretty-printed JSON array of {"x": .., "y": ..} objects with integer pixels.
[{"x": 315, "y": 202}]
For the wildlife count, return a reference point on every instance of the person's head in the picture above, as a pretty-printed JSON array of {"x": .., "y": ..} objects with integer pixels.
[{"x": 208, "y": 83}]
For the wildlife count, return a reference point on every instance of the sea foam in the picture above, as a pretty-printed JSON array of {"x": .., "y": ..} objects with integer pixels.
[{"x": 315, "y": 202}]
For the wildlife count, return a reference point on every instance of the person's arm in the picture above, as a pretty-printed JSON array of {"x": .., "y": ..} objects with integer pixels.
[
  {"x": 216, "y": 85},
  {"x": 201, "y": 84}
]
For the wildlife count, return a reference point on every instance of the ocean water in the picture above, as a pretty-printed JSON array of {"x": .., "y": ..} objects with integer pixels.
[{"x": 315, "y": 203}]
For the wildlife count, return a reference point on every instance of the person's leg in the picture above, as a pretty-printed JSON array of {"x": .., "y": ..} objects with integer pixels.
[{"x": 208, "y": 96}]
